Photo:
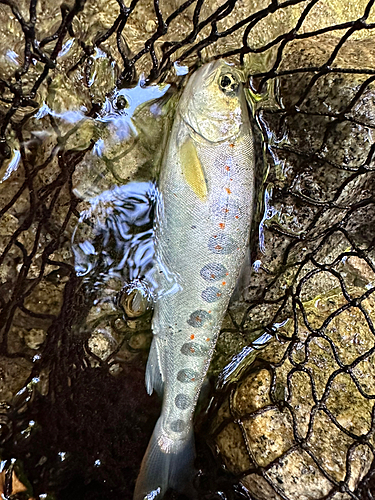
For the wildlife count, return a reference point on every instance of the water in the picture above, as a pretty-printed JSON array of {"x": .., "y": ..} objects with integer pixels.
[
  {"x": 112, "y": 245},
  {"x": 114, "y": 237}
]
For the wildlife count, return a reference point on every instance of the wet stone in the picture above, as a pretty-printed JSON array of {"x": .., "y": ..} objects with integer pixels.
[
  {"x": 222, "y": 244},
  {"x": 187, "y": 376},
  {"x": 34, "y": 338},
  {"x": 211, "y": 294},
  {"x": 198, "y": 318},
  {"x": 213, "y": 272},
  {"x": 182, "y": 402},
  {"x": 178, "y": 426},
  {"x": 193, "y": 349}
]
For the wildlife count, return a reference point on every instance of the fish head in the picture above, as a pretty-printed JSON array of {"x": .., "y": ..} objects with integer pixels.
[{"x": 213, "y": 103}]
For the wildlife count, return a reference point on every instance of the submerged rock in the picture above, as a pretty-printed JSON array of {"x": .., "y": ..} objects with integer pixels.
[{"x": 303, "y": 411}]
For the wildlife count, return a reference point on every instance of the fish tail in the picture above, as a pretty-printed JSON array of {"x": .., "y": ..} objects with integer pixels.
[{"x": 171, "y": 467}]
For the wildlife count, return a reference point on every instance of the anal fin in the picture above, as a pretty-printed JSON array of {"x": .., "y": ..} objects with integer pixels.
[{"x": 154, "y": 372}]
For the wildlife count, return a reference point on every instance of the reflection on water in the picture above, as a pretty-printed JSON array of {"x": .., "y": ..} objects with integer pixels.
[
  {"x": 123, "y": 139},
  {"x": 114, "y": 236},
  {"x": 12, "y": 165},
  {"x": 233, "y": 371},
  {"x": 128, "y": 135}
]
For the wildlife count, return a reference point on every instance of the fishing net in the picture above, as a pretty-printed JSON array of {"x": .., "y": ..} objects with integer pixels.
[{"x": 293, "y": 396}]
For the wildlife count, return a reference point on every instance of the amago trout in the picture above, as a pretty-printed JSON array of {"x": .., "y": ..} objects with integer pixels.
[{"x": 206, "y": 193}]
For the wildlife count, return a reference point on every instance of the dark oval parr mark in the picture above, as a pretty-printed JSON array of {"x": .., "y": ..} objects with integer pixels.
[
  {"x": 213, "y": 272},
  {"x": 211, "y": 294},
  {"x": 198, "y": 318},
  {"x": 194, "y": 349},
  {"x": 177, "y": 426},
  {"x": 187, "y": 376},
  {"x": 227, "y": 209},
  {"x": 222, "y": 244},
  {"x": 182, "y": 401}
]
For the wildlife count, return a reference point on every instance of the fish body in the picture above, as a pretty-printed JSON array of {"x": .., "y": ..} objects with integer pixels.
[{"x": 204, "y": 211}]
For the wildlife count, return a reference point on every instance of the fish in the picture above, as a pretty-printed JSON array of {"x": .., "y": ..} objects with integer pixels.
[{"x": 201, "y": 237}]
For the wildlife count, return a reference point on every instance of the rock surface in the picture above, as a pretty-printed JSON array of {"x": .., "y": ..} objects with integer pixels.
[{"x": 300, "y": 417}]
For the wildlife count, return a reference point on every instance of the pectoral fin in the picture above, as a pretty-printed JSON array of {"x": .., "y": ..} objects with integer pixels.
[{"x": 192, "y": 169}]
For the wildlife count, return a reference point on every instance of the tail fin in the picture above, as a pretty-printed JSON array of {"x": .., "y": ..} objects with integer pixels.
[{"x": 161, "y": 469}]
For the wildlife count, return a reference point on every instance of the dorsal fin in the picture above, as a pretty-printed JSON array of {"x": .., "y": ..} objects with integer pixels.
[{"x": 192, "y": 169}]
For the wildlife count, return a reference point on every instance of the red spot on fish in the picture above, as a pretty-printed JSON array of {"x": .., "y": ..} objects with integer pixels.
[
  {"x": 228, "y": 190},
  {"x": 207, "y": 340},
  {"x": 218, "y": 294},
  {"x": 236, "y": 217},
  {"x": 231, "y": 179},
  {"x": 221, "y": 225},
  {"x": 227, "y": 168},
  {"x": 218, "y": 247},
  {"x": 231, "y": 145},
  {"x": 192, "y": 336},
  {"x": 224, "y": 283},
  {"x": 213, "y": 276},
  {"x": 192, "y": 350},
  {"x": 193, "y": 379}
]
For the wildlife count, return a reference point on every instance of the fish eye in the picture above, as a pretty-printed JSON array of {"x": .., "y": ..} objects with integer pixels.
[{"x": 229, "y": 84}]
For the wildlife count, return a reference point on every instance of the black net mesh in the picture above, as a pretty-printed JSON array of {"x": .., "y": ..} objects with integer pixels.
[{"x": 295, "y": 421}]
